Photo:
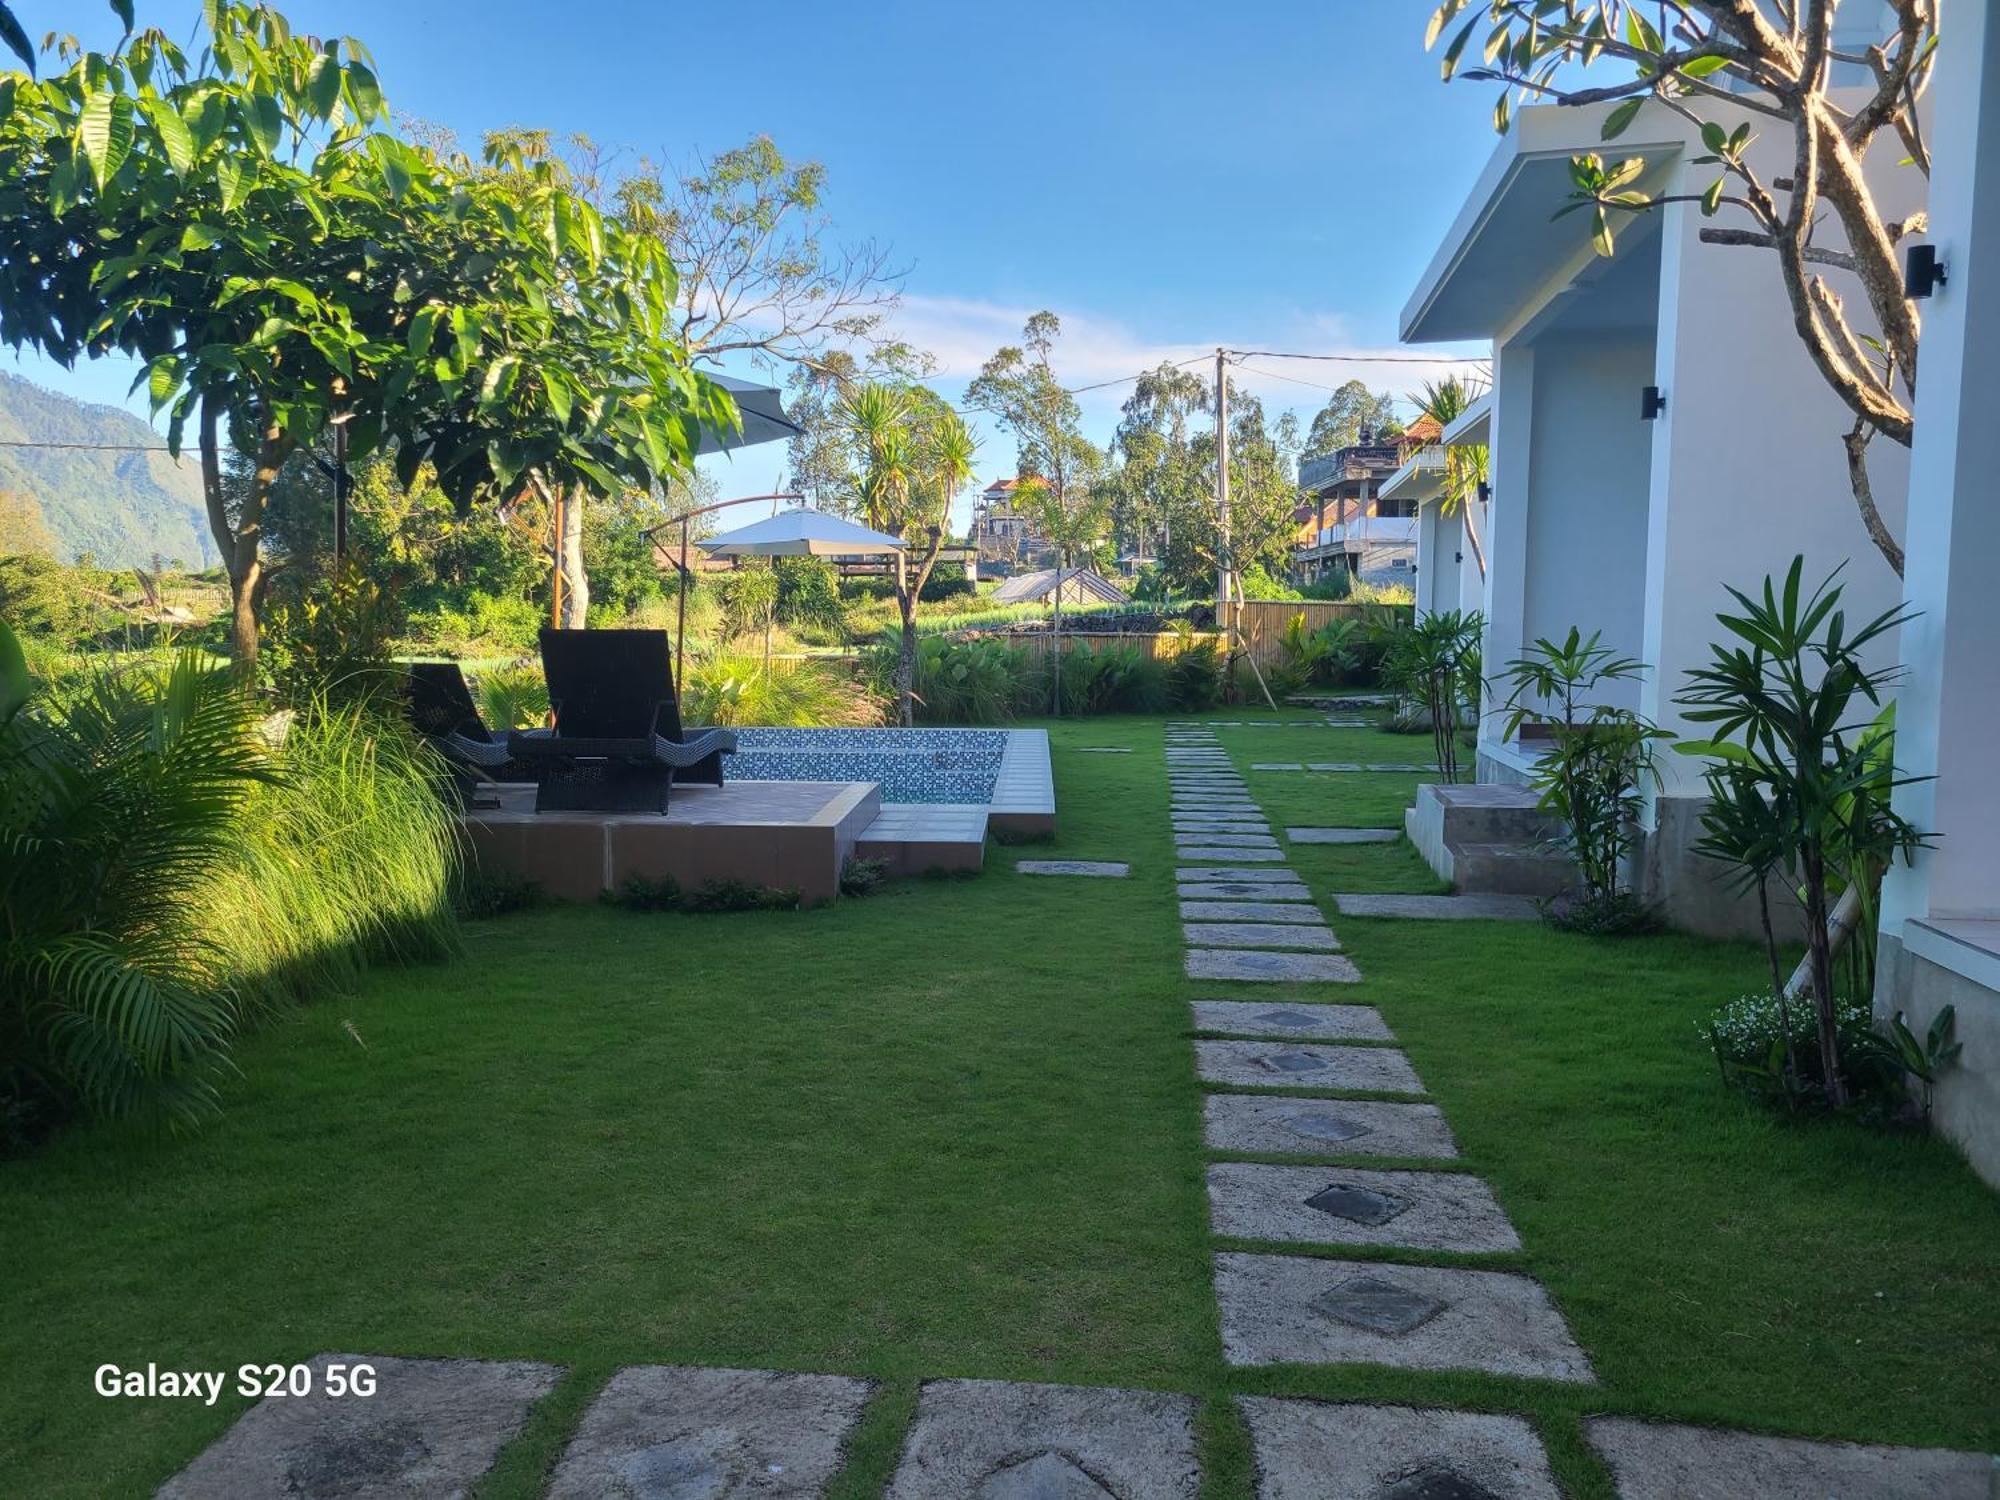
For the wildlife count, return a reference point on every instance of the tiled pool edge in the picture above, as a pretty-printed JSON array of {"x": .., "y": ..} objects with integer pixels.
[{"x": 1024, "y": 793}]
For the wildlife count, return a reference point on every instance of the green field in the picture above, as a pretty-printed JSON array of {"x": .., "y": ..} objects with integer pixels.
[{"x": 954, "y": 1129}]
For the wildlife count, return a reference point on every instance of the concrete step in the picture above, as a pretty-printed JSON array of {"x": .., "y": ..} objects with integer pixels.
[{"x": 1511, "y": 869}]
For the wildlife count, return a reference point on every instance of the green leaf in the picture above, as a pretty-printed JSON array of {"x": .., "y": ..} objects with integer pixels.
[
  {"x": 1616, "y": 122},
  {"x": 1451, "y": 54},
  {"x": 65, "y": 186},
  {"x": 200, "y": 237},
  {"x": 163, "y": 380},
  {"x": 423, "y": 328},
  {"x": 1600, "y": 233},
  {"x": 1503, "y": 112},
  {"x": 15, "y": 683},
  {"x": 323, "y": 85},
  {"x": 104, "y": 134},
  {"x": 265, "y": 122},
  {"x": 175, "y": 138},
  {"x": 124, "y": 9},
  {"x": 16, "y": 39},
  {"x": 1441, "y": 18},
  {"x": 1714, "y": 137},
  {"x": 1711, "y": 200},
  {"x": 234, "y": 180},
  {"x": 363, "y": 92},
  {"x": 1702, "y": 67}
]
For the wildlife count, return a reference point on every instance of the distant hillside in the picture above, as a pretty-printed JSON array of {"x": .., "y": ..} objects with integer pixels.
[{"x": 127, "y": 508}]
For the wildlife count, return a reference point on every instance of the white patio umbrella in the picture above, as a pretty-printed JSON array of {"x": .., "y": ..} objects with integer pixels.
[{"x": 803, "y": 532}]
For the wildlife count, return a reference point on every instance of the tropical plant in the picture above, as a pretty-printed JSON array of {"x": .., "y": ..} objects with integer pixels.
[
  {"x": 1800, "y": 784},
  {"x": 119, "y": 799},
  {"x": 1921, "y": 1059},
  {"x": 1195, "y": 671},
  {"x": 514, "y": 695},
  {"x": 1722, "y": 69},
  {"x": 333, "y": 643},
  {"x": 1593, "y": 776},
  {"x": 1435, "y": 664},
  {"x": 733, "y": 688}
]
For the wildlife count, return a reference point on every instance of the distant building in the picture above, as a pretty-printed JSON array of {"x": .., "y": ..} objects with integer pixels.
[
  {"x": 1003, "y": 537},
  {"x": 1078, "y": 585},
  {"x": 1345, "y": 520}
]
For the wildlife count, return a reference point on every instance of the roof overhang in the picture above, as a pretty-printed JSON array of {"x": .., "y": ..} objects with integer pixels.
[
  {"x": 1471, "y": 428},
  {"x": 1506, "y": 246},
  {"x": 1420, "y": 479}
]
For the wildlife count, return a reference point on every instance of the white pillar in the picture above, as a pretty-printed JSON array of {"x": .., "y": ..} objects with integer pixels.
[
  {"x": 1510, "y": 450},
  {"x": 1948, "y": 708}
]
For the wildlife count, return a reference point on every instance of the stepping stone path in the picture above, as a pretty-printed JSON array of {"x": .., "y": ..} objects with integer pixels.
[
  {"x": 672, "y": 1433},
  {"x": 1092, "y": 868},
  {"x": 1104, "y": 749},
  {"x": 997, "y": 1440},
  {"x": 1332, "y": 1023},
  {"x": 1251, "y": 911},
  {"x": 1259, "y": 935},
  {"x": 1658, "y": 1462},
  {"x": 1282, "y": 889},
  {"x": 1306, "y": 1065},
  {"x": 1266, "y": 1124},
  {"x": 1343, "y": 835},
  {"x": 1343, "y": 1206},
  {"x": 433, "y": 1427},
  {"x": 1315, "y": 1450},
  {"x": 1485, "y": 906},
  {"x": 1288, "y": 1309},
  {"x": 1261, "y": 966}
]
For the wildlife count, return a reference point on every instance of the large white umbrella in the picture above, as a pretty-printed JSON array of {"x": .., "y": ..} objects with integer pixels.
[
  {"x": 801, "y": 533},
  {"x": 762, "y": 409}
]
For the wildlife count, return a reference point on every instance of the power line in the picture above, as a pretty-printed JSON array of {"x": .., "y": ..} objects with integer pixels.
[
  {"x": 1364, "y": 359},
  {"x": 89, "y": 447}
]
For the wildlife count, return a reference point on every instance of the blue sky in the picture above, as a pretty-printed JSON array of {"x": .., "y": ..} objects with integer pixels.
[{"x": 1165, "y": 176}]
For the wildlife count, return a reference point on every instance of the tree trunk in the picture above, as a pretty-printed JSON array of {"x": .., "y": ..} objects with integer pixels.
[
  {"x": 1472, "y": 536},
  {"x": 569, "y": 562},
  {"x": 240, "y": 541},
  {"x": 908, "y": 591},
  {"x": 1820, "y": 949}
]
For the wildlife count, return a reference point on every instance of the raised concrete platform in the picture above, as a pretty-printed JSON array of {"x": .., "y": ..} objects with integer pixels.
[
  {"x": 781, "y": 835},
  {"x": 1489, "y": 839},
  {"x": 911, "y": 838},
  {"x": 1024, "y": 793}
]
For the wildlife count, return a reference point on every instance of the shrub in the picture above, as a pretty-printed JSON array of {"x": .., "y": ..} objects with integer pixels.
[
  {"x": 724, "y": 894},
  {"x": 1434, "y": 667},
  {"x": 946, "y": 583},
  {"x": 1259, "y": 584},
  {"x": 513, "y": 695},
  {"x": 332, "y": 643},
  {"x": 1194, "y": 674},
  {"x": 42, "y": 597},
  {"x": 483, "y": 893},
  {"x": 1599, "y": 757},
  {"x": 734, "y": 688},
  {"x": 643, "y": 893},
  {"x": 1769, "y": 1048},
  {"x": 808, "y": 592},
  {"x": 862, "y": 877},
  {"x": 749, "y": 598}
]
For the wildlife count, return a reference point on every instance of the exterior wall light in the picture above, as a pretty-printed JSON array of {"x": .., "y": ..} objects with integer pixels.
[
  {"x": 1923, "y": 272},
  {"x": 1651, "y": 403},
  {"x": 1485, "y": 492}
]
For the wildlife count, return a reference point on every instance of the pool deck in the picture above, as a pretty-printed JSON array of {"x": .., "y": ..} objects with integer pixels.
[{"x": 793, "y": 835}]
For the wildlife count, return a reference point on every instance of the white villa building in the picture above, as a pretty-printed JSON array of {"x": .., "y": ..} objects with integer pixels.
[
  {"x": 1940, "y": 920},
  {"x": 1447, "y": 566},
  {"x": 1607, "y": 518}
]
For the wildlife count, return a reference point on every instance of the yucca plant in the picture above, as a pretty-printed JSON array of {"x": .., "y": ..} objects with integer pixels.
[
  {"x": 121, "y": 799},
  {"x": 1430, "y": 663}
]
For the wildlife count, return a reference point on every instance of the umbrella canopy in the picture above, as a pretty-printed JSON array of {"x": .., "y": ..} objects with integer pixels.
[
  {"x": 763, "y": 411},
  {"x": 801, "y": 533}
]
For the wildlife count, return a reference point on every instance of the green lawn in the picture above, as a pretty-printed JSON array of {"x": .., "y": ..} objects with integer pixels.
[{"x": 954, "y": 1130}]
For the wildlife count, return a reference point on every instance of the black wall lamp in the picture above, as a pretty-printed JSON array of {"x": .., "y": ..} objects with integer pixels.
[
  {"x": 1651, "y": 403},
  {"x": 1485, "y": 492},
  {"x": 1923, "y": 272}
]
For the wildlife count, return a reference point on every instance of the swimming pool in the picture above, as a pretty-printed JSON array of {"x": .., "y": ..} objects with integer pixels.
[{"x": 910, "y": 765}]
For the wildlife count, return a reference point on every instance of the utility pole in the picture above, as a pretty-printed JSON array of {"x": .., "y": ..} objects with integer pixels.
[{"x": 1223, "y": 556}]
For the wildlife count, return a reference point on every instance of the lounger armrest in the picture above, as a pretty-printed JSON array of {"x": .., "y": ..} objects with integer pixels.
[{"x": 697, "y": 748}]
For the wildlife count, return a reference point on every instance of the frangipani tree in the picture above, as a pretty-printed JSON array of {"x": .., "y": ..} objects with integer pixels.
[{"x": 1714, "y": 63}]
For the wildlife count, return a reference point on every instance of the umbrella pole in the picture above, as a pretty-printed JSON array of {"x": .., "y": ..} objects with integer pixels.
[{"x": 681, "y": 624}]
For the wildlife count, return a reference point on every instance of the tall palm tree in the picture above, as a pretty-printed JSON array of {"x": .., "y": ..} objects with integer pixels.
[
  {"x": 916, "y": 454},
  {"x": 1465, "y": 464}
]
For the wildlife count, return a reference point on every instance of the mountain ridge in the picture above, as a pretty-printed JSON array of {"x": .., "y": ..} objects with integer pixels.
[{"x": 125, "y": 508}]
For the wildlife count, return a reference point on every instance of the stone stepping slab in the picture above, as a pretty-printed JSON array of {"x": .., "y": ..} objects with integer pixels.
[
  {"x": 1235, "y": 872},
  {"x": 1251, "y": 890},
  {"x": 1259, "y": 935},
  {"x": 1304, "y": 1065},
  {"x": 1216, "y": 806},
  {"x": 1273, "y": 855},
  {"x": 1104, "y": 749},
  {"x": 1271, "y": 1124},
  {"x": 1483, "y": 906},
  {"x": 999, "y": 1440},
  {"x": 1277, "y": 765},
  {"x": 663, "y": 1430},
  {"x": 1215, "y": 839},
  {"x": 1262, "y": 966},
  {"x": 1302, "y": 911},
  {"x": 1655, "y": 1461},
  {"x": 1096, "y": 869},
  {"x": 433, "y": 1427},
  {"x": 1291, "y": 1309},
  {"x": 1343, "y": 1206},
  {"x": 1218, "y": 822},
  {"x": 1317, "y": 1450},
  {"x": 1335, "y": 765},
  {"x": 1321, "y": 1023},
  {"x": 1343, "y": 835}
]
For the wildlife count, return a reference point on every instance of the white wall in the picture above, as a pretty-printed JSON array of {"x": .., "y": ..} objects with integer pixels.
[
  {"x": 1588, "y": 479},
  {"x": 1748, "y": 467}
]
